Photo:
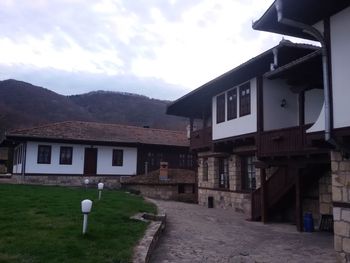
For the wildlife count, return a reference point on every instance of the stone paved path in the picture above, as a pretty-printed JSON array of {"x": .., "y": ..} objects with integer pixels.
[{"x": 198, "y": 234}]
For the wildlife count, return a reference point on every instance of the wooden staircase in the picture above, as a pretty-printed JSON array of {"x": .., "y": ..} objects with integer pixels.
[{"x": 277, "y": 185}]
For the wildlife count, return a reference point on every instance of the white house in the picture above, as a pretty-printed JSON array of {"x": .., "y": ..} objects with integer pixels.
[{"x": 67, "y": 151}]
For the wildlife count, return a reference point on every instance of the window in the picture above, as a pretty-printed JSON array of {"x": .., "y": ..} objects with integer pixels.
[
  {"x": 224, "y": 181},
  {"x": 232, "y": 104},
  {"x": 117, "y": 157},
  {"x": 205, "y": 169},
  {"x": 248, "y": 173},
  {"x": 244, "y": 99},
  {"x": 189, "y": 161},
  {"x": 66, "y": 154},
  {"x": 44, "y": 154},
  {"x": 182, "y": 160},
  {"x": 181, "y": 188},
  {"x": 220, "y": 108}
]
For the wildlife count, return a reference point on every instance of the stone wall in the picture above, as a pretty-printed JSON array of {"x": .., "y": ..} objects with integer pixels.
[
  {"x": 164, "y": 192},
  {"x": 111, "y": 182},
  {"x": 341, "y": 209},
  {"x": 325, "y": 194},
  {"x": 225, "y": 198},
  {"x": 240, "y": 202}
]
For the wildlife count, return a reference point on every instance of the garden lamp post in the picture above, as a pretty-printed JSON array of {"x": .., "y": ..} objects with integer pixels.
[
  {"x": 86, "y": 206},
  {"x": 100, "y": 188},
  {"x": 86, "y": 182}
]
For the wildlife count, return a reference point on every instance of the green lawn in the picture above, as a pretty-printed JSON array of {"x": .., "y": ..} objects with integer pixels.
[{"x": 44, "y": 224}]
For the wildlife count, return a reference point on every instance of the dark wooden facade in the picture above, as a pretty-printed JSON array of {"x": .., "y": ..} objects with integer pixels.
[{"x": 150, "y": 156}]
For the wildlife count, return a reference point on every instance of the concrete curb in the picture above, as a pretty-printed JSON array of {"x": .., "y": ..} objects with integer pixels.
[{"x": 145, "y": 247}]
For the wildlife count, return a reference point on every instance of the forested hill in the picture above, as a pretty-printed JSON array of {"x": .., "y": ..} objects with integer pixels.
[{"x": 23, "y": 104}]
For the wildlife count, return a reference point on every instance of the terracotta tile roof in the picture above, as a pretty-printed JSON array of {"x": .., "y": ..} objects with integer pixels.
[
  {"x": 175, "y": 176},
  {"x": 101, "y": 132}
]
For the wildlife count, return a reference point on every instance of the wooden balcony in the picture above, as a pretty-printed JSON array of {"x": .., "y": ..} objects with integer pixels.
[
  {"x": 201, "y": 139},
  {"x": 283, "y": 142}
]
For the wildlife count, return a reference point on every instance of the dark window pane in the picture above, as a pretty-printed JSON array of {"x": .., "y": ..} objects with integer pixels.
[
  {"x": 117, "y": 159},
  {"x": 181, "y": 188},
  {"x": 248, "y": 173},
  {"x": 232, "y": 104},
  {"x": 220, "y": 108},
  {"x": 244, "y": 99},
  {"x": 44, "y": 154},
  {"x": 224, "y": 180},
  {"x": 66, "y": 155}
]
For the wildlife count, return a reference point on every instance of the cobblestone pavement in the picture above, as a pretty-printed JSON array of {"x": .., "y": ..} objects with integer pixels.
[{"x": 197, "y": 234}]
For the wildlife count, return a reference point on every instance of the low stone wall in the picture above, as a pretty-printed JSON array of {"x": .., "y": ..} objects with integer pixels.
[
  {"x": 111, "y": 182},
  {"x": 240, "y": 202},
  {"x": 163, "y": 192}
]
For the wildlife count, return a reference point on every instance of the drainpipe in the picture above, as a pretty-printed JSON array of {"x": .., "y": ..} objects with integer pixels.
[{"x": 326, "y": 88}]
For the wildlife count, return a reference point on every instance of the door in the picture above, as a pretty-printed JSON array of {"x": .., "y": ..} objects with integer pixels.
[{"x": 90, "y": 161}]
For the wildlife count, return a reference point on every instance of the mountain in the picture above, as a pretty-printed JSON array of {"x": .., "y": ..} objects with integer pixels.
[{"x": 24, "y": 105}]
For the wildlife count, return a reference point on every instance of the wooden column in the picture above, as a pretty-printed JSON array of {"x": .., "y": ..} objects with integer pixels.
[
  {"x": 298, "y": 202},
  {"x": 264, "y": 204},
  {"x": 302, "y": 108}
]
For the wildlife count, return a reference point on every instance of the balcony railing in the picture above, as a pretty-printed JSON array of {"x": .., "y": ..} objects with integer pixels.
[
  {"x": 288, "y": 141},
  {"x": 201, "y": 139}
]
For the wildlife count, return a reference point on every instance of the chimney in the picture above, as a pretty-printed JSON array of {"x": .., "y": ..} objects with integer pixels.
[{"x": 163, "y": 171}]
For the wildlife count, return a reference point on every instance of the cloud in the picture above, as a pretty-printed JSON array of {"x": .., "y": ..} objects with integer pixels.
[{"x": 173, "y": 46}]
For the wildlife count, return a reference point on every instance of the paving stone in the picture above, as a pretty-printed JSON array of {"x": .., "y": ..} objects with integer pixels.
[{"x": 197, "y": 234}]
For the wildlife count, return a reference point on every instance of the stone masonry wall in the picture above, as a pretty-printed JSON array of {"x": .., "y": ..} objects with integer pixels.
[
  {"x": 111, "y": 182},
  {"x": 341, "y": 212},
  {"x": 224, "y": 198}
]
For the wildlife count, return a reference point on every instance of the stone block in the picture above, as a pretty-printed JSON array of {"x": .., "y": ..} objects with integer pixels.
[
  {"x": 338, "y": 243},
  {"x": 345, "y": 215},
  {"x": 341, "y": 228},
  {"x": 337, "y": 194},
  {"x": 346, "y": 245},
  {"x": 336, "y": 156},
  {"x": 344, "y": 166},
  {"x": 336, "y": 213},
  {"x": 335, "y": 166},
  {"x": 326, "y": 198},
  {"x": 325, "y": 208}
]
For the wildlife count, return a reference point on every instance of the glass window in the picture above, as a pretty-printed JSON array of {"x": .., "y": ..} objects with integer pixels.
[
  {"x": 248, "y": 173},
  {"x": 117, "y": 159},
  {"x": 220, "y": 108},
  {"x": 66, "y": 155},
  {"x": 244, "y": 99},
  {"x": 224, "y": 181},
  {"x": 44, "y": 154},
  {"x": 232, "y": 104}
]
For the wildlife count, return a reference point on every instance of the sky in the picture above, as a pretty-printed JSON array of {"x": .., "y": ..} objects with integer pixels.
[{"x": 159, "y": 48}]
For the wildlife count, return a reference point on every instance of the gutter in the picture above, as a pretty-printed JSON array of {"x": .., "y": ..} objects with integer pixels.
[{"x": 312, "y": 31}]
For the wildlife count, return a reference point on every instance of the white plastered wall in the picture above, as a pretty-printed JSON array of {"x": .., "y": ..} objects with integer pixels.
[
  {"x": 275, "y": 116},
  {"x": 240, "y": 125},
  {"x": 314, "y": 100},
  {"x": 340, "y": 47},
  {"x": 104, "y": 160}
]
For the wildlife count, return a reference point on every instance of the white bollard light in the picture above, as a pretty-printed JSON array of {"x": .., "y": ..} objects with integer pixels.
[
  {"x": 100, "y": 188},
  {"x": 86, "y": 182},
  {"x": 86, "y": 206}
]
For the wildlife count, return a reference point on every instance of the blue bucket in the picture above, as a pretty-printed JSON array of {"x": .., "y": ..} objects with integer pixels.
[{"x": 308, "y": 222}]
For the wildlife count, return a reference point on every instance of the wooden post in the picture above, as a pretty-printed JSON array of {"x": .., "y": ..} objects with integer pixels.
[
  {"x": 264, "y": 204},
  {"x": 301, "y": 108},
  {"x": 298, "y": 202}
]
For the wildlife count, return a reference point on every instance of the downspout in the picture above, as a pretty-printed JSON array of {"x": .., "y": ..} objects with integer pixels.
[{"x": 326, "y": 87}]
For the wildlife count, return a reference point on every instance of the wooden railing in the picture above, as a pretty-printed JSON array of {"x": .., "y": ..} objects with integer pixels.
[
  {"x": 201, "y": 138},
  {"x": 286, "y": 141},
  {"x": 277, "y": 186}
]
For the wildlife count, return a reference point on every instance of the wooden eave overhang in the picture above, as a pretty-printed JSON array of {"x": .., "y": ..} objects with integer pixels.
[
  {"x": 305, "y": 71},
  {"x": 306, "y": 11},
  {"x": 192, "y": 104}
]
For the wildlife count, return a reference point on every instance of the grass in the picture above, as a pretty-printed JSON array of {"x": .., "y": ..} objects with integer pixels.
[{"x": 44, "y": 224}]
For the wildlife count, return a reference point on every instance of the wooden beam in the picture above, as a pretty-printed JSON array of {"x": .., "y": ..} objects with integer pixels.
[
  {"x": 264, "y": 204},
  {"x": 301, "y": 108},
  {"x": 298, "y": 201}
]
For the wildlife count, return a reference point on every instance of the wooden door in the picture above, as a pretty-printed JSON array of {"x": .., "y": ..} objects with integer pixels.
[{"x": 90, "y": 161}]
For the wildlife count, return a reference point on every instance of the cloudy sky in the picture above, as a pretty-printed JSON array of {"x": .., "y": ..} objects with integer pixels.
[{"x": 159, "y": 48}]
